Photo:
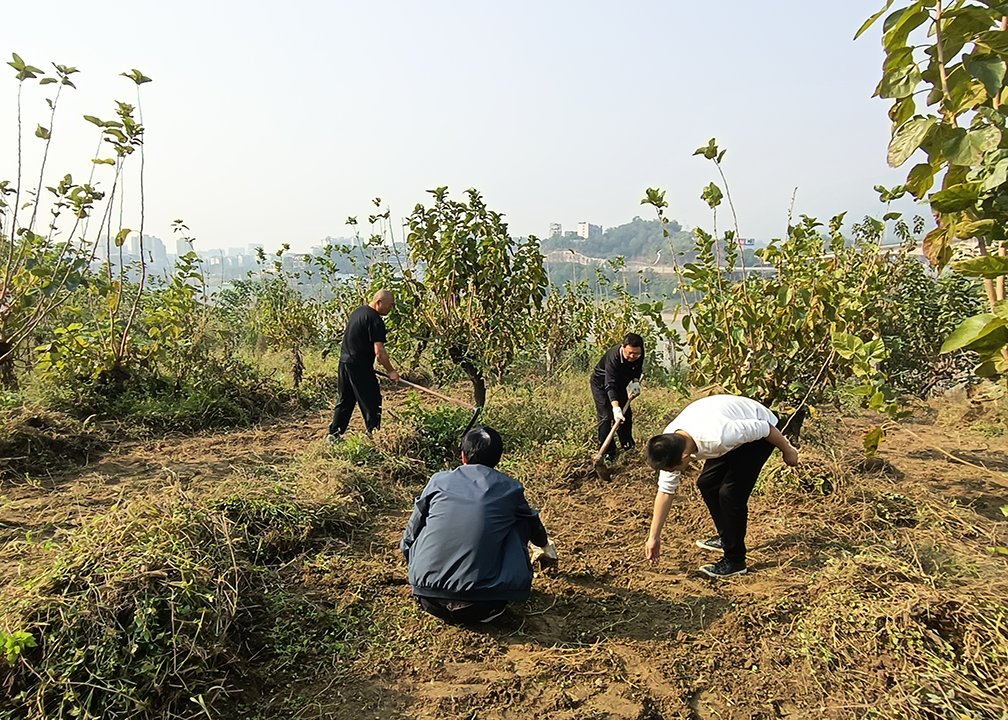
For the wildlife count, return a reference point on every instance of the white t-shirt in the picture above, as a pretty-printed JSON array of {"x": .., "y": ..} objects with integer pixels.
[{"x": 718, "y": 424}]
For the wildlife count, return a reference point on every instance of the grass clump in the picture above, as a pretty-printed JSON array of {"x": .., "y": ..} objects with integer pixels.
[
  {"x": 881, "y": 629},
  {"x": 167, "y": 609},
  {"x": 38, "y": 442},
  {"x": 135, "y": 616}
]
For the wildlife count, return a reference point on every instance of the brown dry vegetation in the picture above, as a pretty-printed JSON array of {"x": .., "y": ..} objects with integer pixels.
[{"x": 873, "y": 591}]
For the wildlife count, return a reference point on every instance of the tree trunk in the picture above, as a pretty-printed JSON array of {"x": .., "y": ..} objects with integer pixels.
[
  {"x": 7, "y": 376},
  {"x": 474, "y": 374},
  {"x": 298, "y": 369}
]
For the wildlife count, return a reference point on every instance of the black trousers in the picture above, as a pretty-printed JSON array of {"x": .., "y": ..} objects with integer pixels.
[
  {"x": 356, "y": 385},
  {"x": 603, "y": 411},
  {"x": 726, "y": 484},
  {"x": 461, "y": 612}
]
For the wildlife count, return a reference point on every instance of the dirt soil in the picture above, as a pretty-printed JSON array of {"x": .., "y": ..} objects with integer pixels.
[{"x": 605, "y": 635}]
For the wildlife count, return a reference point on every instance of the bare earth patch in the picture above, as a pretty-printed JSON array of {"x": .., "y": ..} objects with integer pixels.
[{"x": 848, "y": 560}]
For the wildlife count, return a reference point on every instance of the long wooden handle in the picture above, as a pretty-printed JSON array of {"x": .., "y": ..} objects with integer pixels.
[
  {"x": 435, "y": 393},
  {"x": 612, "y": 432}
]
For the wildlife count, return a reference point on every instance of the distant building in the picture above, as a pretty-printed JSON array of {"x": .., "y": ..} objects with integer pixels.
[
  {"x": 235, "y": 251},
  {"x": 183, "y": 246},
  {"x": 588, "y": 231},
  {"x": 156, "y": 251},
  {"x": 747, "y": 242},
  {"x": 570, "y": 234},
  {"x": 555, "y": 229}
]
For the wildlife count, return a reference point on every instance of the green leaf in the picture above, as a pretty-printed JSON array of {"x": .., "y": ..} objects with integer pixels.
[
  {"x": 955, "y": 199},
  {"x": 47, "y": 81},
  {"x": 967, "y": 147},
  {"x": 908, "y": 138},
  {"x": 980, "y": 228},
  {"x": 899, "y": 83},
  {"x": 996, "y": 40},
  {"x": 1004, "y": 510},
  {"x": 121, "y": 237},
  {"x": 871, "y": 21},
  {"x": 998, "y": 550},
  {"x": 103, "y": 161},
  {"x": 997, "y": 175},
  {"x": 900, "y": 24},
  {"x": 709, "y": 151},
  {"x": 875, "y": 351},
  {"x": 872, "y": 438},
  {"x": 986, "y": 329},
  {"x": 902, "y": 110},
  {"x": 94, "y": 121},
  {"x": 937, "y": 248},
  {"x": 712, "y": 195},
  {"x": 988, "y": 69},
  {"x": 988, "y": 266},
  {"x": 920, "y": 180},
  {"x": 41, "y": 132},
  {"x": 846, "y": 346}
]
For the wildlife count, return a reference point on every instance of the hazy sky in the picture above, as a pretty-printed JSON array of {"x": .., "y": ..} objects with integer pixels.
[{"x": 274, "y": 122}]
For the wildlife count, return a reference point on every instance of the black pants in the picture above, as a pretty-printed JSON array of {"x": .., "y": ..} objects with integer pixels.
[
  {"x": 356, "y": 385},
  {"x": 461, "y": 612},
  {"x": 603, "y": 410},
  {"x": 726, "y": 484}
]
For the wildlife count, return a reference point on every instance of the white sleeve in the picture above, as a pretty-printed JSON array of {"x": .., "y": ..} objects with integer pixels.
[
  {"x": 740, "y": 432},
  {"x": 668, "y": 482}
]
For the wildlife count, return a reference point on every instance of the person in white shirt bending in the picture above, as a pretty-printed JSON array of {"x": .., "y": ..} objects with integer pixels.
[{"x": 734, "y": 436}]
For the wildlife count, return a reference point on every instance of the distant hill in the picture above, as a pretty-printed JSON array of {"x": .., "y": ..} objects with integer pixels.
[{"x": 638, "y": 239}]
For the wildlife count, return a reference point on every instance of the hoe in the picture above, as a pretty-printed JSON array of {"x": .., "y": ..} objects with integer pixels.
[
  {"x": 601, "y": 470},
  {"x": 476, "y": 410}
]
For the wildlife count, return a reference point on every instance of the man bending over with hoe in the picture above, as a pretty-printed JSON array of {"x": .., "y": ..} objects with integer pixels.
[
  {"x": 615, "y": 378},
  {"x": 466, "y": 541},
  {"x": 734, "y": 436},
  {"x": 357, "y": 384}
]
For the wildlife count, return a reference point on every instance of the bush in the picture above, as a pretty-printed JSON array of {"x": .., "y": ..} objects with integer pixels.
[{"x": 224, "y": 394}]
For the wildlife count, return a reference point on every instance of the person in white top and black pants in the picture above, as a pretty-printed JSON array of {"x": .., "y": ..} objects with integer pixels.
[{"x": 734, "y": 436}]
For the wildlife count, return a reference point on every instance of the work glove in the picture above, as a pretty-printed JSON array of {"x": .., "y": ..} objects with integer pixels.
[
  {"x": 618, "y": 415},
  {"x": 544, "y": 557},
  {"x": 634, "y": 388}
]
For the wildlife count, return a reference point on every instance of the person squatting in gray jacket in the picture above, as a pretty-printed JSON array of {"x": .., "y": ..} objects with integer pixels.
[{"x": 466, "y": 541}]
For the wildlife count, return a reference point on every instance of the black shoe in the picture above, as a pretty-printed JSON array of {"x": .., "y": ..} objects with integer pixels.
[
  {"x": 724, "y": 568},
  {"x": 713, "y": 544}
]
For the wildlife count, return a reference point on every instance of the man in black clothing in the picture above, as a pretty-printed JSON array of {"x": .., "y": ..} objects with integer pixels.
[
  {"x": 619, "y": 367},
  {"x": 363, "y": 342}
]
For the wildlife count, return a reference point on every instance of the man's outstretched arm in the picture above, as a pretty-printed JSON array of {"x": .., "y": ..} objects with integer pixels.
[
  {"x": 652, "y": 548},
  {"x": 787, "y": 449}
]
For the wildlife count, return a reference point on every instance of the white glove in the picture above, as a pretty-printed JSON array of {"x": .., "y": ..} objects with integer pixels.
[
  {"x": 634, "y": 388},
  {"x": 618, "y": 415},
  {"x": 545, "y": 556}
]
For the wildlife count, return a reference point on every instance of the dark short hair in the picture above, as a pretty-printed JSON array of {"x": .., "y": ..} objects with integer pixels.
[
  {"x": 483, "y": 446},
  {"x": 665, "y": 451},
  {"x": 633, "y": 340}
]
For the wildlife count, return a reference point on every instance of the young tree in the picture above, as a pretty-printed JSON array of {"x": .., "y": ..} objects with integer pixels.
[
  {"x": 469, "y": 290},
  {"x": 957, "y": 51}
]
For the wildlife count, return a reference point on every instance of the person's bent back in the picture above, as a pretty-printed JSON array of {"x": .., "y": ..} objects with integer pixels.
[{"x": 466, "y": 541}]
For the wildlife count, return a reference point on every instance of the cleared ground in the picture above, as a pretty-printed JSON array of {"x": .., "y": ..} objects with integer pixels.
[{"x": 874, "y": 589}]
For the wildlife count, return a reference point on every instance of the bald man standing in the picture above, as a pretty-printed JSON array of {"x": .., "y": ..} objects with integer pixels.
[{"x": 363, "y": 343}]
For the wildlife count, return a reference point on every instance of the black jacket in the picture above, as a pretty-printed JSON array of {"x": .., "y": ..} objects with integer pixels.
[{"x": 613, "y": 373}]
